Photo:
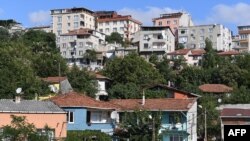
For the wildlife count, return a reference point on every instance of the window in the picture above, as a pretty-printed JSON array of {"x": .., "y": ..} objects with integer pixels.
[
  {"x": 176, "y": 138},
  {"x": 183, "y": 31},
  {"x": 107, "y": 23},
  {"x": 146, "y": 37},
  {"x": 107, "y": 30},
  {"x": 59, "y": 32},
  {"x": 202, "y": 38},
  {"x": 64, "y": 53},
  {"x": 99, "y": 117},
  {"x": 76, "y": 17},
  {"x": 202, "y": 45},
  {"x": 183, "y": 39},
  {"x": 59, "y": 19},
  {"x": 64, "y": 45},
  {"x": 192, "y": 31},
  {"x": 100, "y": 24},
  {"x": 160, "y": 22},
  {"x": 80, "y": 52},
  {"x": 211, "y": 37},
  {"x": 59, "y": 26},
  {"x": 195, "y": 57},
  {"x": 70, "y": 117},
  {"x": 114, "y": 29},
  {"x": 202, "y": 31},
  {"x": 175, "y": 22},
  {"x": 80, "y": 44},
  {"x": 145, "y": 45},
  {"x": 68, "y": 17},
  {"x": 76, "y": 24},
  {"x": 121, "y": 28},
  {"x": 101, "y": 30},
  {"x": 114, "y": 23},
  {"x": 168, "y": 22},
  {"x": 210, "y": 30},
  {"x": 68, "y": 25}
]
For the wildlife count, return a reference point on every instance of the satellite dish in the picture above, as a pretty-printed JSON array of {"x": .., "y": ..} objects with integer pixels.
[
  {"x": 18, "y": 90},
  {"x": 114, "y": 115}
]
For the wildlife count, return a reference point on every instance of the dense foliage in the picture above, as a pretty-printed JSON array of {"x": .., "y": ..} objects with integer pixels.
[{"x": 87, "y": 135}]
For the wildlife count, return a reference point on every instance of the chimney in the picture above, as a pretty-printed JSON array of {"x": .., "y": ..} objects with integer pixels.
[
  {"x": 18, "y": 98},
  {"x": 143, "y": 98}
]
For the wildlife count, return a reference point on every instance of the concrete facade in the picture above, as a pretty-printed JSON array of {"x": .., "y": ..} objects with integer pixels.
[
  {"x": 195, "y": 36},
  {"x": 154, "y": 40},
  {"x": 242, "y": 43}
]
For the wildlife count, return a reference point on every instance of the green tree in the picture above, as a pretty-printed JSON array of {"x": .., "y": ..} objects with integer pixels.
[
  {"x": 132, "y": 68},
  {"x": 115, "y": 37},
  {"x": 87, "y": 135},
  {"x": 4, "y": 35},
  {"x": 124, "y": 91},
  {"x": 8, "y": 23},
  {"x": 90, "y": 56},
  {"x": 165, "y": 69},
  {"x": 153, "y": 59},
  {"x": 82, "y": 81},
  {"x": 210, "y": 58},
  {"x": 180, "y": 46}
]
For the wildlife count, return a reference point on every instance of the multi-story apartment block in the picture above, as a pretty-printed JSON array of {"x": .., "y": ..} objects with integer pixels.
[
  {"x": 243, "y": 40},
  {"x": 64, "y": 20},
  {"x": 174, "y": 20},
  {"x": 74, "y": 44},
  {"x": 110, "y": 21},
  {"x": 195, "y": 36},
  {"x": 154, "y": 40}
]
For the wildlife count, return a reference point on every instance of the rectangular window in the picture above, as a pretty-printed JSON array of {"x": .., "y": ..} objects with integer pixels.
[
  {"x": 114, "y": 29},
  {"x": 202, "y": 31},
  {"x": 70, "y": 117},
  {"x": 100, "y": 24},
  {"x": 121, "y": 28},
  {"x": 202, "y": 45},
  {"x": 210, "y": 30},
  {"x": 64, "y": 45},
  {"x": 64, "y": 53},
  {"x": 59, "y": 19},
  {"x": 59, "y": 26},
  {"x": 76, "y": 17},
  {"x": 101, "y": 30},
  {"x": 175, "y": 22},
  {"x": 107, "y": 23},
  {"x": 80, "y": 52},
  {"x": 107, "y": 30},
  {"x": 114, "y": 23},
  {"x": 176, "y": 138},
  {"x": 145, "y": 45},
  {"x": 68, "y": 17},
  {"x": 160, "y": 23},
  {"x": 202, "y": 38},
  {"x": 195, "y": 57},
  {"x": 76, "y": 24},
  {"x": 68, "y": 25},
  {"x": 168, "y": 22},
  {"x": 99, "y": 117},
  {"x": 80, "y": 44}
]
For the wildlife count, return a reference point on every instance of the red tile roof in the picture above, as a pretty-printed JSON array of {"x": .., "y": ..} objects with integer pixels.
[
  {"x": 74, "y": 99},
  {"x": 231, "y": 112},
  {"x": 81, "y": 31},
  {"x": 215, "y": 88},
  {"x": 99, "y": 76},
  {"x": 180, "y": 52},
  {"x": 163, "y": 104},
  {"x": 197, "y": 52},
  {"x": 228, "y": 53},
  {"x": 55, "y": 79}
]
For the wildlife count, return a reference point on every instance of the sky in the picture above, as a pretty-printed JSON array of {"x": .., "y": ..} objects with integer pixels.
[{"x": 230, "y": 13}]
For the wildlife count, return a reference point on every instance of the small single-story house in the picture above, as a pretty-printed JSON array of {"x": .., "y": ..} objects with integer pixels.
[
  {"x": 58, "y": 84},
  {"x": 40, "y": 113}
]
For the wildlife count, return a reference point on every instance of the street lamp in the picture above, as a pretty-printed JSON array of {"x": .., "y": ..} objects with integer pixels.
[{"x": 205, "y": 119}]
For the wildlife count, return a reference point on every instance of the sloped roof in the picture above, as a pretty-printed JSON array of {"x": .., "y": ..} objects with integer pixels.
[
  {"x": 162, "y": 104},
  {"x": 55, "y": 79},
  {"x": 235, "y": 112},
  {"x": 74, "y": 99},
  {"x": 228, "y": 53},
  {"x": 215, "y": 88},
  {"x": 180, "y": 52},
  {"x": 28, "y": 106},
  {"x": 81, "y": 31},
  {"x": 99, "y": 76},
  {"x": 197, "y": 52}
]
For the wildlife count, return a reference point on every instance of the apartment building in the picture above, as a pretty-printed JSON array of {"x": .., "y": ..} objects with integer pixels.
[
  {"x": 195, "y": 36},
  {"x": 64, "y": 20},
  {"x": 47, "y": 28},
  {"x": 110, "y": 21},
  {"x": 154, "y": 40},
  {"x": 74, "y": 44},
  {"x": 242, "y": 42},
  {"x": 174, "y": 20}
]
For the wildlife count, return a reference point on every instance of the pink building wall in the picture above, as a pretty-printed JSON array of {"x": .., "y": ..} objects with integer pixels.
[
  {"x": 56, "y": 121},
  {"x": 164, "y": 23}
]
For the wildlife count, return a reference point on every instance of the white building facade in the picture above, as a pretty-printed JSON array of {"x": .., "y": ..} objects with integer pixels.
[
  {"x": 195, "y": 36},
  {"x": 154, "y": 40}
]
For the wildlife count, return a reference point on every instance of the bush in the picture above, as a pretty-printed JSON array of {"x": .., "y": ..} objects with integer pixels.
[{"x": 87, "y": 135}]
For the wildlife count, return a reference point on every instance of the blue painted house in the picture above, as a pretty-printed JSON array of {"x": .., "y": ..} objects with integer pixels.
[
  {"x": 85, "y": 113},
  {"x": 178, "y": 116}
]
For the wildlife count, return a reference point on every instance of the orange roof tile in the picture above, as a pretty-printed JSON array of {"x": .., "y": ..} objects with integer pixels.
[
  {"x": 180, "y": 52},
  {"x": 55, "y": 79},
  {"x": 81, "y": 31},
  {"x": 228, "y": 53},
  {"x": 198, "y": 52},
  {"x": 163, "y": 104},
  {"x": 231, "y": 112},
  {"x": 74, "y": 99},
  {"x": 215, "y": 88}
]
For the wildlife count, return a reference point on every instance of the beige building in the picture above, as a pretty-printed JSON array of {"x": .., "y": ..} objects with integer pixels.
[
  {"x": 242, "y": 42},
  {"x": 154, "y": 40},
  {"x": 47, "y": 29},
  {"x": 194, "y": 36},
  {"x": 174, "y": 20},
  {"x": 110, "y": 21},
  {"x": 74, "y": 44},
  {"x": 64, "y": 20}
]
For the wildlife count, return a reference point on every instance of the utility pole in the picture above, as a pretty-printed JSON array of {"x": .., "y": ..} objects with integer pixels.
[
  {"x": 59, "y": 74},
  {"x": 153, "y": 130},
  {"x": 205, "y": 138}
]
